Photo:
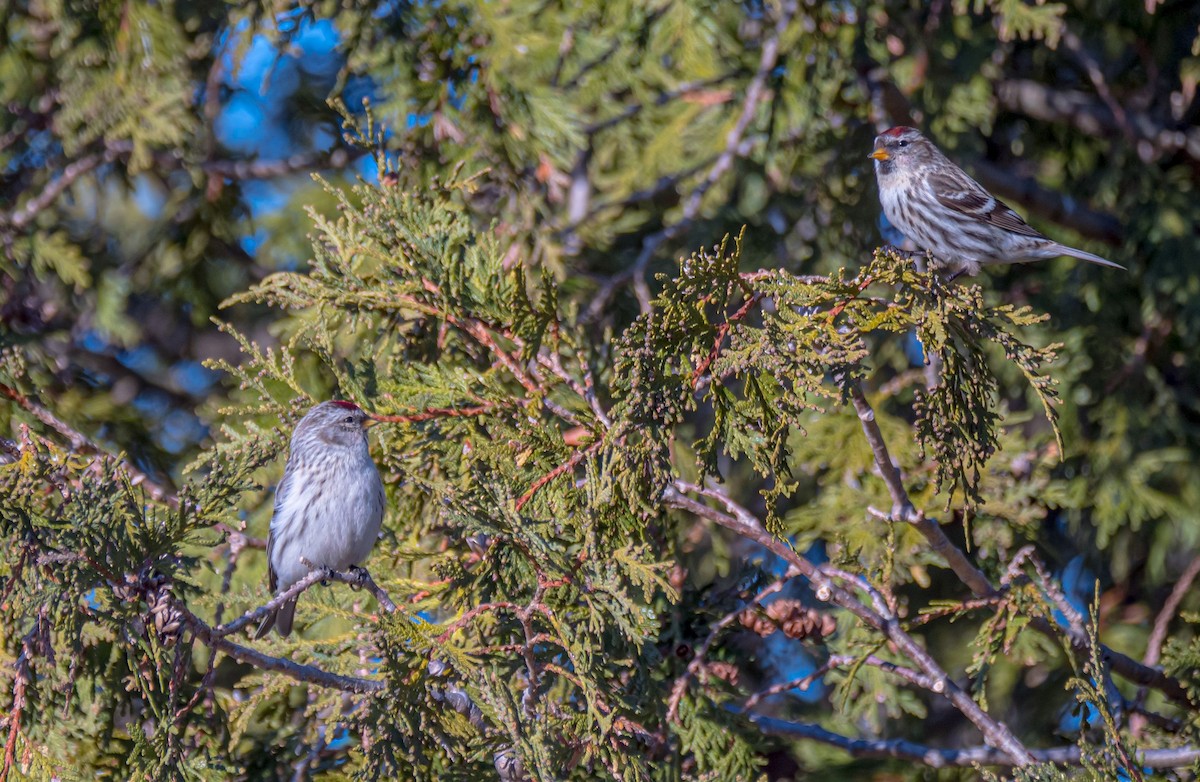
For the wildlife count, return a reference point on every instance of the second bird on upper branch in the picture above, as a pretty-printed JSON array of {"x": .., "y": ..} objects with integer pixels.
[{"x": 951, "y": 216}]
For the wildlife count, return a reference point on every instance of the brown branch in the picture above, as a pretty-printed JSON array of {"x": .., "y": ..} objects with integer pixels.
[
  {"x": 902, "y": 507},
  {"x": 570, "y": 464},
  {"x": 745, "y": 524},
  {"x": 802, "y": 683},
  {"x": 697, "y": 661},
  {"x": 1094, "y": 118},
  {"x": 1158, "y": 635},
  {"x": 734, "y": 149},
  {"x": 722, "y": 332},
  {"x": 1167, "y": 613},
  {"x": 21, "y": 217},
  {"x": 217, "y": 637},
  {"x": 432, "y": 413},
  {"x": 301, "y": 673},
  {"x": 935, "y": 757},
  {"x": 839, "y": 661},
  {"x": 80, "y": 442},
  {"x": 862, "y": 286},
  {"x": 358, "y": 577},
  {"x": 974, "y": 578}
]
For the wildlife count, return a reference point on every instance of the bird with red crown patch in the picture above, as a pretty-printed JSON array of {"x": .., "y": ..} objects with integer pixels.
[
  {"x": 948, "y": 214},
  {"x": 329, "y": 505}
]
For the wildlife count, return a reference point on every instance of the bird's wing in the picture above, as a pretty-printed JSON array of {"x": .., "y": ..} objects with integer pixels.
[
  {"x": 955, "y": 190},
  {"x": 281, "y": 493}
]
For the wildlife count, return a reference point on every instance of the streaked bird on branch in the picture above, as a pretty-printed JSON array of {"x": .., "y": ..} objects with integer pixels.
[
  {"x": 329, "y": 505},
  {"x": 950, "y": 215}
]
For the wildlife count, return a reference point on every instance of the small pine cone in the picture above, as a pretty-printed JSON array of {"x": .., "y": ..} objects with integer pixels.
[
  {"x": 167, "y": 617},
  {"x": 782, "y": 610},
  {"x": 725, "y": 671},
  {"x": 677, "y": 577},
  {"x": 751, "y": 619},
  {"x": 810, "y": 624}
]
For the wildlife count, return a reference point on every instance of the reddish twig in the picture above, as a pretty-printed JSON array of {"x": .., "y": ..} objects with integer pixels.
[
  {"x": 432, "y": 413},
  {"x": 570, "y": 464},
  {"x": 722, "y": 332},
  {"x": 862, "y": 286}
]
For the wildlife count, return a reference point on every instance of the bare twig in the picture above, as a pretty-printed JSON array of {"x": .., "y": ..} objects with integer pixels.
[
  {"x": 733, "y": 149},
  {"x": 21, "y": 217},
  {"x": 1167, "y": 612},
  {"x": 934, "y": 757},
  {"x": 974, "y": 578},
  {"x": 358, "y": 577},
  {"x": 1158, "y": 635},
  {"x": 433, "y": 413},
  {"x": 839, "y": 661},
  {"x": 697, "y": 661},
  {"x": 570, "y": 464},
  {"x": 745, "y": 524},
  {"x": 302, "y": 673},
  {"x": 902, "y": 507},
  {"x": 80, "y": 442}
]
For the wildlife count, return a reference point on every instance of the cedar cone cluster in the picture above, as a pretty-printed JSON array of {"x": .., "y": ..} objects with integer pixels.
[
  {"x": 154, "y": 589},
  {"x": 725, "y": 671},
  {"x": 791, "y": 616}
]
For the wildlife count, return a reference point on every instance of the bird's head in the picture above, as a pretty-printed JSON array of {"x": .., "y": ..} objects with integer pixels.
[
  {"x": 901, "y": 148},
  {"x": 335, "y": 422}
]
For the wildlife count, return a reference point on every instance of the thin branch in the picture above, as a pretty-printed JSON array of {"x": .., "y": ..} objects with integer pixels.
[
  {"x": 902, "y": 507},
  {"x": 722, "y": 332},
  {"x": 302, "y": 673},
  {"x": 974, "y": 578},
  {"x": 802, "y": 683},
  {"x": 734, "y": 149},
  {"x": 570, "y": 464},
  {"x": 357, "y": 578},
  {"x": 1167, "y": 613},
  {"x": 697, "y": 661},
  {"x": 433, "y": 413},
  {"x": 744, "y": 523},
  {"x": 1158, "y": 635},
  {"x": 1083, "y": 112},
  {"x": 217, "y": 637},
  {"x": 21, "y": 217},
  {"x": 840, "y": 661},
  {"x": 82, "y": 443},
  {"x": 934, "y": 757}
]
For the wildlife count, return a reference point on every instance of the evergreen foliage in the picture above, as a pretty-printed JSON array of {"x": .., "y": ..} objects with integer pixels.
[{"x": 687, "y": 478}]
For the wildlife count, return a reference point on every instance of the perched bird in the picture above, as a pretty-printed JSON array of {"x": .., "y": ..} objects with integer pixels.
[
  {"x": 329, "y": 505},
  {"x": 947, "y": 213}
]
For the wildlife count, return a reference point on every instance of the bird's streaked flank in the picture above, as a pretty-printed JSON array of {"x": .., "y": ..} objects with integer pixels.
[
  {"x": 948, "y": 214},
  {"x": 329, "y": 505}
]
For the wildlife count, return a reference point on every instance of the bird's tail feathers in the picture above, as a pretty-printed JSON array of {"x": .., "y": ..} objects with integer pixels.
[
  {"x": 1086, "y": 256},
  {"x": 281, "y": 620}
]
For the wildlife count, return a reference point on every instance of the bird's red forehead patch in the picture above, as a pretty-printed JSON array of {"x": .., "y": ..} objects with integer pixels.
[
  {"x": 899, "y": 130},
  {"x": 344, "y": 404}
]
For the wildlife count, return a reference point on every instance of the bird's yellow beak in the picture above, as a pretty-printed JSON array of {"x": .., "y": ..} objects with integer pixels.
[
  {"x": 879, "y": 154},
  {"x": 371, "y": 421}
]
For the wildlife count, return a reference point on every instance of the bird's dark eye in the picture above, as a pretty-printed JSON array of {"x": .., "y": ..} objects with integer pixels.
[
  {"x": 902, "y": 143},
  {"x": 348, "y": 419}
]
